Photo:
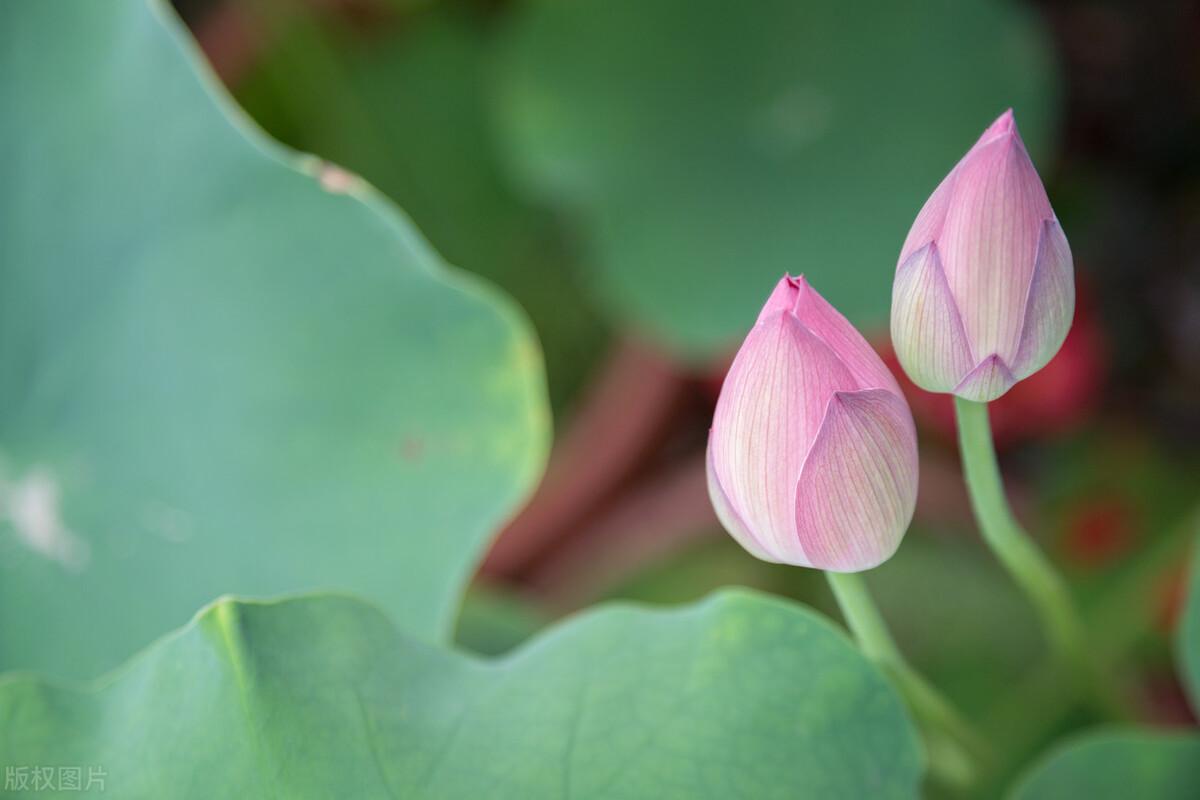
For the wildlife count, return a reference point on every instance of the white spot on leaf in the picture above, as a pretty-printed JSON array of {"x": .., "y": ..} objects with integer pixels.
[{"x": 33, "y": 506}]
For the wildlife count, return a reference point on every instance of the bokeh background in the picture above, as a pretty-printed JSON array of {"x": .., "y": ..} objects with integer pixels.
[{"x": 639, "y": 173}]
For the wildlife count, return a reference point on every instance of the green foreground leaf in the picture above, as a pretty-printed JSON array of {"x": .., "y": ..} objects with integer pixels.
[
  {"x": 223, "y": 368},
  {"x": 739, "y": 696}
]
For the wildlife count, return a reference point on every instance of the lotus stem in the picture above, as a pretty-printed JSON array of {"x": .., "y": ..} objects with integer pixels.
[{"x": 954, "y": 748}]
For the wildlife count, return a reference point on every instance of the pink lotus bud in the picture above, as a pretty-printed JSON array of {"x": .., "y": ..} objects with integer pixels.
[
  {"x": 812, "y": 456},
  {"x": 984, "y": 289}
]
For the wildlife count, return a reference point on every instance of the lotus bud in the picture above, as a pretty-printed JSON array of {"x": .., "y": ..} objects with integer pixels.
[
  {"x": 812, "y": 456},
  {"x": 984, "y": 290}
]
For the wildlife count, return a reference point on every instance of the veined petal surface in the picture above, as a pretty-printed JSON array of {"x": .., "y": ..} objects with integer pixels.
[
  {"x": 927, "y": 331},
  {"x": 1050, "y": 305},
  {"x": 989, "y": 239},
  {"x": 729, "y": 517},
  {"x": 767, "y": 417},
  {"x": 828, "y": 324},
  {"x": 858, "y": 487},
  {"x": 990, "y": 379}
]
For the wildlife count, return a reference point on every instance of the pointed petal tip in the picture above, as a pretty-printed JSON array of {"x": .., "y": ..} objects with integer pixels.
[
  {"x": 844, "y": 398},
  {"x": 798, "y": 284},
  {"x": 1005, "y": 123},
  {"x": 782, "y": 298},
  {"x": 803, "y": 287},
  {"x": 990, "y": 379},
  {"x": 1003, "y": 129},
  {"x": 911, "y": 259}
]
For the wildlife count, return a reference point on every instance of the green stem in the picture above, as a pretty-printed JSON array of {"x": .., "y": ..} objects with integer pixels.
[
  {"x": 1004, "y": 535},
  {"x": 953, "y": 745}
]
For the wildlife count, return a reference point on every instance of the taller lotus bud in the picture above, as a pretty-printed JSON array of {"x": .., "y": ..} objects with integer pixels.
[
  {"x": 984, "y": 290},
  {"x": 812, "y": 456}
]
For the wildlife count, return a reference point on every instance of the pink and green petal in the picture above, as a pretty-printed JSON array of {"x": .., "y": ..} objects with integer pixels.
[
  {"x": 990, "y": 379},
  {"x": 1050, "y": 305},
  {"x": 927, "y": 331},
  {"x": 732, "y": 521}
]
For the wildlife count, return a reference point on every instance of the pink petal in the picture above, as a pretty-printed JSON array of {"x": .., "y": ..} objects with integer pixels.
[
  {"x": 990, "y": 379},
  {"x": 727, "y": 514},
  {"x": 766, "y": 418},
  {"x": 1050, "y": 305},
  {"x": 989, "y": 239},
  {"x": 931, "y": 219},
  {"x": 858, "y": 487},
  {"x": 827, "y": 323},
  {"x": 927, "y": 331}
]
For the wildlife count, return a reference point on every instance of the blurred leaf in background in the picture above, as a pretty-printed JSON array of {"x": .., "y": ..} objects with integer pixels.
[
  {"x": 695, "y": 150},
  {"x": 705, "y": 148},
  {"x": 1118, "y": 765},
  {"x": 401, "y": 99},
  {"x": 223, "y": 368}
]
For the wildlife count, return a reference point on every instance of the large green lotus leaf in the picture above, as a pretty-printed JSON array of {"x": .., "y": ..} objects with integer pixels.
[
  {"x": 708, "y": 147},
  {"x": 222, "y": 368},
  {"x": 1133, "y": 763},
  {"x": 740, "y": 696},
  {"x": 407, "y": 108},
  {"x": 1119, "y": 765}
]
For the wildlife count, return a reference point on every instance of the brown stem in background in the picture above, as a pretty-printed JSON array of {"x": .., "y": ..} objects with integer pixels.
[
  {"x": 234, "y": 35},
  {"x": 658, "y": 517},
  {"x": 231, "y": 39},
  {"x": 668, "y": 510},
  {"x": 623, "y": 417}
]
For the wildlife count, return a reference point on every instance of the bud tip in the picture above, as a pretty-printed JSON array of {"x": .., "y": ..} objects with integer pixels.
[{"x": 1005, "y": 125}]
